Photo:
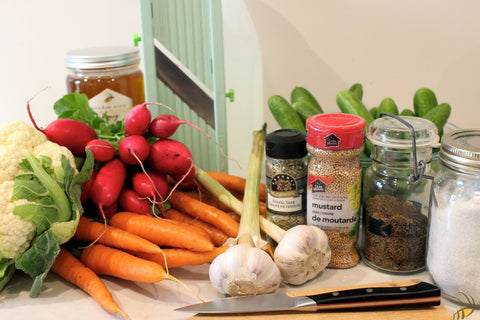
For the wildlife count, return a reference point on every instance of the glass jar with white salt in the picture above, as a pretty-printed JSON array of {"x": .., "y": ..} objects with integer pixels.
[{"x": 453, "y": 250}]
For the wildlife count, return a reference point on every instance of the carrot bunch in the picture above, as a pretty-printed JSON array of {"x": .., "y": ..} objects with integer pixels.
[{"x": 138, "y": 247}]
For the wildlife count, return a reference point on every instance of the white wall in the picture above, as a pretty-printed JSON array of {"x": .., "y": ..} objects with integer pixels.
[
  {"x": 35, "y": 35},
  {"x": 391, "y": 47}
]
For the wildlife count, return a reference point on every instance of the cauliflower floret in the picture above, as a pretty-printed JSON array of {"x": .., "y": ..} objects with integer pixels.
[
  {"x": 21, "y": 135},
  {"x": 16, "y": 139},
  {"x": 55, "y": 152},
  {"x": 15, "y": 233}
]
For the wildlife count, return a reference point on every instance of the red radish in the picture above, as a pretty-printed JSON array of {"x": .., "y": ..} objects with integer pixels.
[
  {"x": 137, "y": 120},
  {"x": 87, "y": 186},
  {"x": 171, "y": 157},
  {"x": 72, "y": 134},
  {"x": 134, "y": 149},
  {"x": 131, "y": 201},
  {"x": 108, "y": 183},
  {"x": 151, "y": 184},
  {"x": 109, "y": 211},
  {"x": 165, "y": 125},
  {"x": 102, "y": 150}
]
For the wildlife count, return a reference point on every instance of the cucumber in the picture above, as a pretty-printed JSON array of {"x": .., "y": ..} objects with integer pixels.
[
  {"x": 439, "y": 116},
  {"x": 407, "y": 112},
  {"x": 304, "y": 109},
  {"x": 349, "y": 103},
  {"x": 389, "y": 106},
  {"x": 357, "y": 90},
  {"x": 284, "y": 113},
  {"x": 374, "y": 112},
  {"x": 424, "y": 99},
  {"x": 302, "y": 94}
]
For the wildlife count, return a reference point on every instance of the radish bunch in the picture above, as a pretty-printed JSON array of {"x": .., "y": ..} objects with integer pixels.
[{"x": 134, "y": 175}]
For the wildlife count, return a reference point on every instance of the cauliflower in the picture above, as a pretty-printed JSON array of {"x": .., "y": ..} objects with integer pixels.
[{"x": 31, "y": 210}]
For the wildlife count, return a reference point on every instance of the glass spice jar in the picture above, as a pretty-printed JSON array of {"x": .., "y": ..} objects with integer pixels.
[
  {"x": 286, "y": 177},
  {"x": 335, "y": 142},
  {"x": 396, "y": 193},
  {"x": 453, "y": 251},
  {"x": 109, "y": 76}
]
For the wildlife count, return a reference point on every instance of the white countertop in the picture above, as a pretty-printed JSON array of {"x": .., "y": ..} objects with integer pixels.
[{"x": 61, "y": 300}]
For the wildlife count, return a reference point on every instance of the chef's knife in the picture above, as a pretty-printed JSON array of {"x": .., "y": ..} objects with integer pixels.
[{"x": 421, "y": 294}]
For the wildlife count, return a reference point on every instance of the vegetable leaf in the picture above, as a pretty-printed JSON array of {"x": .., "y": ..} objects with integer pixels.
[
  {"x": 37, "y": 260},
  {"x": 75, "y": 106},
  {"x": 43, "y": 186},
  {"x": 7, "y": 269}
]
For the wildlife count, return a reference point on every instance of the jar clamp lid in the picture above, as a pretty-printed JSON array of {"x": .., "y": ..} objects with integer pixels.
[
  {"x": 285, "y": 144},
  {"x": 102, "y": 57},
  {"x": 461, "y": 149},
  {"x": 335, "y": 131},
  {"x": 390, "y": 132}
]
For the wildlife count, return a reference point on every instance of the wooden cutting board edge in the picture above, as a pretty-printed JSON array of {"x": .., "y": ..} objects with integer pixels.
[{"x": 438, "y": 313}]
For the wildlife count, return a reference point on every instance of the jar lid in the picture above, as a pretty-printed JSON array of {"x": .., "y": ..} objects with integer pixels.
[
  {"x": 102, "y": 57},
  {"x": 285, "y": 144},
  {"x": 461, "y": 149},
  {"x": 335, "y": 131},
  {"x": 390, "y": 132}
]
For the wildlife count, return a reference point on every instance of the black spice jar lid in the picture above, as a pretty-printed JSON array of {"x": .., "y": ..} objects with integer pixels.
[{"x": 285, "y": 144}]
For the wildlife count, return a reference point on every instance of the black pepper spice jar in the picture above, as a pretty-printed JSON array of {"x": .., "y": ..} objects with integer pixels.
[
  {"x": 396, "y": 193},
  {"x": 286, "y": 177}
]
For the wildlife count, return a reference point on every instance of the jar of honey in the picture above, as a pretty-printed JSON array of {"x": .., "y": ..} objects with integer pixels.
[{"x": 109, "y": 76}]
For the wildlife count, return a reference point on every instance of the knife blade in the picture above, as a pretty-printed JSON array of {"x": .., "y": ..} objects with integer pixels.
[{"x": 421, "y": 294}]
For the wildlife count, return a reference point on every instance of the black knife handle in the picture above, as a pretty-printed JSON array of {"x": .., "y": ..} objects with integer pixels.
[{"x": 421, "y": 294}]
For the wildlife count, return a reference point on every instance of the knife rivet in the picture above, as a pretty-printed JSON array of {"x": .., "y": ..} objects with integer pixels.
[
  {"x": 336, "y": 293},
  {"x": 403, "y": 289},
  {"x": 369, "y": 290}
]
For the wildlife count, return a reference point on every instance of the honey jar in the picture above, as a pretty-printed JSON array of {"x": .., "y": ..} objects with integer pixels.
[{"x": 109, "y": 76}]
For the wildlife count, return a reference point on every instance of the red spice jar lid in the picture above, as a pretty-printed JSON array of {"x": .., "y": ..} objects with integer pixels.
[{"x": 335, "y": 131}]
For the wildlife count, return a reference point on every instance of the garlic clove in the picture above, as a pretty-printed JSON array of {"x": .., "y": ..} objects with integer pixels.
[
  {"x": 244, "y": 270},
  {"x": 302, "y": 254}
]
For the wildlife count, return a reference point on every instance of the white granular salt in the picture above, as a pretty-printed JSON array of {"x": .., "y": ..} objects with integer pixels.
[{"x": 453, "y": 252}]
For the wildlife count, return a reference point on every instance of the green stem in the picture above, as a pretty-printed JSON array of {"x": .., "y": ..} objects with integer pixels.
[
  {"x": 250, "y": 222},
  {"x": 58, "y": 195}
]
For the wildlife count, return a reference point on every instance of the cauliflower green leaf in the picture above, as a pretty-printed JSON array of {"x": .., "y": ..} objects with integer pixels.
[{"x": 53, "y": 205}]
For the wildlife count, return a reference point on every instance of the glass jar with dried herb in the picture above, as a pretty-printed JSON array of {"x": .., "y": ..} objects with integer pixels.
[
  {"x": 396, "y": 193},
  {"x": 286, "y": 177},
  {"x": 335, "y": 142}
]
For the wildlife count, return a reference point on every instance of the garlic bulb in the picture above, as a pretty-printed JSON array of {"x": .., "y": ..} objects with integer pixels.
[
  {"x": 244, "y": 270},
  {"x": 302, "y": 254}
]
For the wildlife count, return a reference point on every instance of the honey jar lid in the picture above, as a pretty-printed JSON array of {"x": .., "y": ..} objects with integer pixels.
[{"x": 102, "y": 57}]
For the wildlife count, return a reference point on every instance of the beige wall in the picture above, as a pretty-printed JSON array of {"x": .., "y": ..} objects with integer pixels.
[{"x": 391, "y": 47}]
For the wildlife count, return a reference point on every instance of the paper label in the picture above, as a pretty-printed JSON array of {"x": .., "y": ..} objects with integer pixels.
[
  {"x": 330, "y": 210},
  {"x": 115, "y": 105}
]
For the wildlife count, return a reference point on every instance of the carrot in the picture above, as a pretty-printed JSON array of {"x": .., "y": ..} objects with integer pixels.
[
  {"x": 196, "y": 228},
  {"x": 160, "y": 231},
  {"x": 235, "y": 183},
  {"x": 206, "y": 197},
  {"x": 104, "y": 260},
  {"x": 93, "y": 231},
  {"x": 74, "y": 271},
  {"x": 218, "y": 236},
  {"x": 204, "y": 212},
  {"x": 176, "y": 257}
]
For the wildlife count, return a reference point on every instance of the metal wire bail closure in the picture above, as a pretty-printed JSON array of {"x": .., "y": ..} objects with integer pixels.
[{"x": 418, "y": 168}]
